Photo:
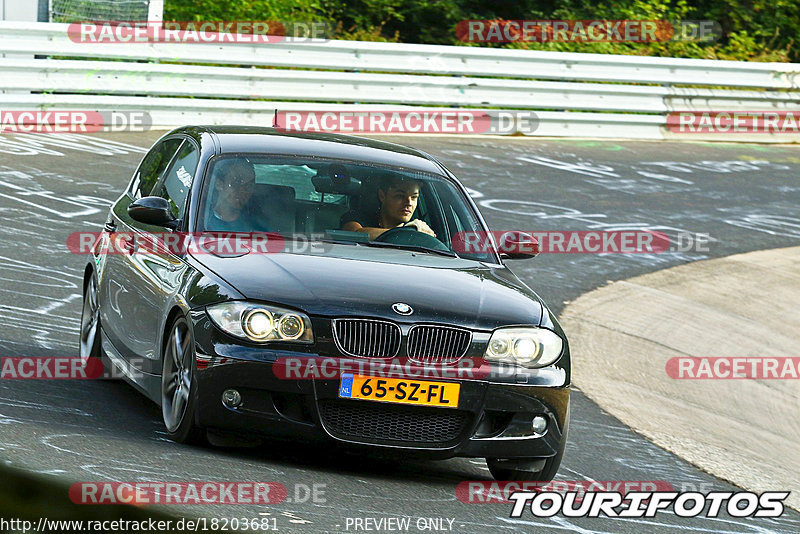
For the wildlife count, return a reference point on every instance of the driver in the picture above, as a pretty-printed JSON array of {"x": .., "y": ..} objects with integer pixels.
[
  {"x": 234, "y": 182},
  {"x": 398, "y": 199}
]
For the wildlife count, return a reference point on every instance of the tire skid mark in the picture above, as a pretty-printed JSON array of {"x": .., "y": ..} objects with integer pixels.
[{"x": 15, "y": 403}]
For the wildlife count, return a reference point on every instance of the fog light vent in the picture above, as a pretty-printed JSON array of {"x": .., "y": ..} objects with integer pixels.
[
  {"x": 539, "y": 424},
  {"x": 231, "y": 398}
]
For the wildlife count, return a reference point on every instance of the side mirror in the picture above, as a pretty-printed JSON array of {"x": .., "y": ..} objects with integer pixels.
[
  {"x": 516, "y": 245},
  {"x": 152, "y": 210}
]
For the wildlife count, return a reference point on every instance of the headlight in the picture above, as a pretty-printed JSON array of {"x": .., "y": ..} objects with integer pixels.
[
  {"x": 526, "y": 346},
  {"x": 259, "y": 323}
]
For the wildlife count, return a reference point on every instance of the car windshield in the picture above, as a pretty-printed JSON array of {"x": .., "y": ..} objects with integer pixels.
[{"x": 342, "y": 201}]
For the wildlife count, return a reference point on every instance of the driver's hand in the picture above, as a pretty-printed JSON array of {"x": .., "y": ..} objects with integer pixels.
[{"x": 421, "y": 226}]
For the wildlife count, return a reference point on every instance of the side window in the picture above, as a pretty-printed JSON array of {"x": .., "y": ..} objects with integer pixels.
[
  {"x": 153, "y": 166},
  {"x": 178, "y": 180}
]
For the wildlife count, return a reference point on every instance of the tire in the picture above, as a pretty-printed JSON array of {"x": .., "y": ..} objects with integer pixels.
[
  {"x": 507, "y": 470},
  {"x": 179, "y": 385},
  {"x": 91, "y": 353},
  {"x": 526, "y": 470}
]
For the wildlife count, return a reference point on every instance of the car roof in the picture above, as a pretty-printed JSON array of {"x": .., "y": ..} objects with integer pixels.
[{"x": 255, "y": 139}]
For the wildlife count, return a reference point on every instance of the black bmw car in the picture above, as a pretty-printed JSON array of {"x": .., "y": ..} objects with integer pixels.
[{"x": 361, "y": 322}]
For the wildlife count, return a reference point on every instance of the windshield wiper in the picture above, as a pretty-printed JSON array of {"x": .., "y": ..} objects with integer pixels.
[
  {"x": 337, "y": 241},
  {"x": 414, "y": 248},
  {"x": 379, "y": 244}
]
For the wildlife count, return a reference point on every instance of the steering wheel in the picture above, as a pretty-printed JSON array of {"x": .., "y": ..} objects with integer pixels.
[{"x": 409, "y": 235}]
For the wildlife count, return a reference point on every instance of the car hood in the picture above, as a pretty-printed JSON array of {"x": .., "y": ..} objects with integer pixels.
[{"x": 363, "y": 281}]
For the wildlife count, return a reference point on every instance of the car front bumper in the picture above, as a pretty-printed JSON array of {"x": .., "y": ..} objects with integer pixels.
[{"x": 492, "y": 420}]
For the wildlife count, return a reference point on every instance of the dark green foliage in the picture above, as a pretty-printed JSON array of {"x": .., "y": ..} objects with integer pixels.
[{"x": 756, "y": 30}]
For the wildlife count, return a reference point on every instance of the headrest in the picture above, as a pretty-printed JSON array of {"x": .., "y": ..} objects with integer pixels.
[{"x": 284, "y": 193}]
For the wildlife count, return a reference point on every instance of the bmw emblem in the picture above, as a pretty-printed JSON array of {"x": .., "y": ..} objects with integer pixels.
[{"x": 402, "y": 308}]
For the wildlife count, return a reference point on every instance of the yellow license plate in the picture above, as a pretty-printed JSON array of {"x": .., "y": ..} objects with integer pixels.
[{"x": 400, "y": 391}]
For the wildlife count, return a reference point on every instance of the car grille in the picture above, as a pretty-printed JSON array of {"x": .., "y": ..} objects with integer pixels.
[
  {"x": 437, "y": 344},
  {"x": 366, "y": 338},
  {"x": 365, "y": 420}
]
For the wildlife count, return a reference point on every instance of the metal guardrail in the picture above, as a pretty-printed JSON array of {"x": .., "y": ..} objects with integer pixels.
[{"x": 591, "y": 95}]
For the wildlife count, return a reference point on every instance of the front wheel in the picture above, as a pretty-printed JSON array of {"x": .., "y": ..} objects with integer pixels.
[
  {"x": 91, "y": 353},
  {"x": 179, "y": 385}
]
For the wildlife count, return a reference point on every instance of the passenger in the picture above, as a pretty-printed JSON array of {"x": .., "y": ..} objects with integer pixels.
[
  {"x": 234, "y": 182},
  {"x": 398, "y": 199}
]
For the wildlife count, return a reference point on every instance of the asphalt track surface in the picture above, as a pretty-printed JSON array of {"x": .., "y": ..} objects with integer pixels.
[{"x": 744, "y": 196}]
